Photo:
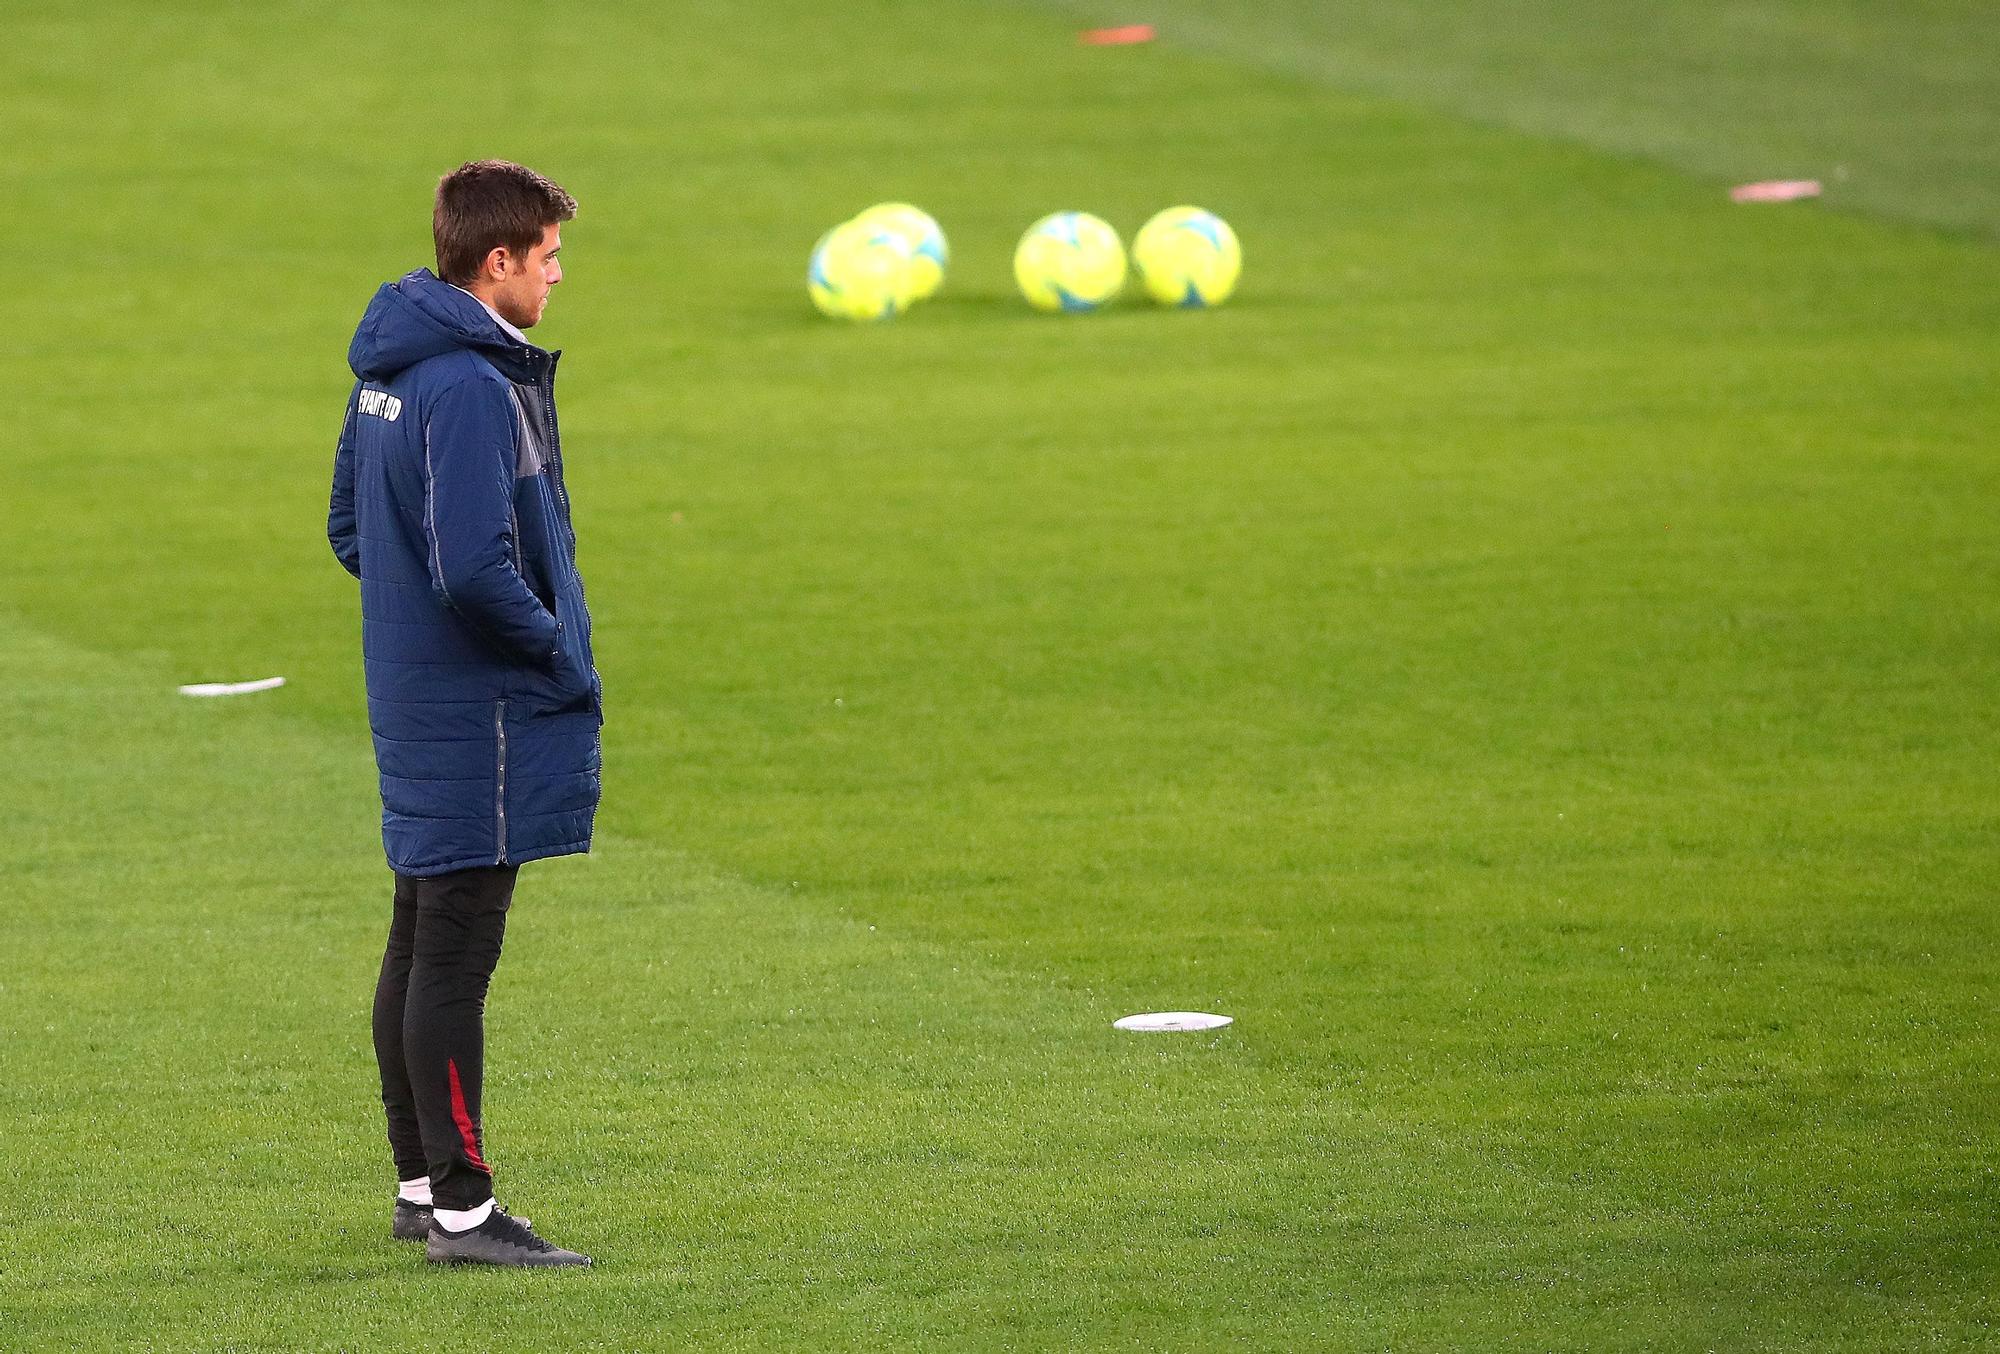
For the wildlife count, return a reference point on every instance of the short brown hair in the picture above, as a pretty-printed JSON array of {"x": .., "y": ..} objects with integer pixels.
[{"x": 492, "y": 204}]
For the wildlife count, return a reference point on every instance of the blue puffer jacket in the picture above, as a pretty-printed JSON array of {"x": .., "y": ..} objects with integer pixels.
[{"x": 449, "y": 506}]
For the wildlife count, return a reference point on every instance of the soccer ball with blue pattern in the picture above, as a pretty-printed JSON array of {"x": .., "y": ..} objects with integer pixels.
[
  {"x": 1070, "y": 261},
  {"x": 1188, "y": 257},
  {"x": 860, "y": 272},
  {"x": 930, "y": 252}
]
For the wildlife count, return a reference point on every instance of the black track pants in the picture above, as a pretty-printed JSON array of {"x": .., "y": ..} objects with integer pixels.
[{"x": 430, "y": 1026}]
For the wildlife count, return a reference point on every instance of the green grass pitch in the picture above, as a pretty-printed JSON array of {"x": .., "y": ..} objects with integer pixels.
[{"x": 1531, "y": 658}]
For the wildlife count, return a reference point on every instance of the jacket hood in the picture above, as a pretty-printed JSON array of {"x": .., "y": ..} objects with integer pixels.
[{"x": 418, "y": 317}]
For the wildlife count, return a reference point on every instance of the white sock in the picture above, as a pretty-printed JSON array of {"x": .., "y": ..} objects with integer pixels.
[
  {"x": 416, "y": 1191},
  {"x": 462, "y": 1219}
]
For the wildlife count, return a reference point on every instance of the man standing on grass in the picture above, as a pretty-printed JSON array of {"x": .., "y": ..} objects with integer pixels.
[{"x": 449, "y": 506}]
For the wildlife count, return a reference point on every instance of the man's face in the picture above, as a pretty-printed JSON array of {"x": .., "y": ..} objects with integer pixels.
[{"x": 524, "y": 285}]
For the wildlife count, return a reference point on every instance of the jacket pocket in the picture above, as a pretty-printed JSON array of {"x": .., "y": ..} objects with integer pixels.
[{"x": 563, "y": 689}]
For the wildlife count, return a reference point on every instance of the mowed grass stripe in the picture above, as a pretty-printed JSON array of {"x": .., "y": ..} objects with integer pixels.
[
  {"x": 775, "y": 1124},
  {"x": 1889, "y": 102}
]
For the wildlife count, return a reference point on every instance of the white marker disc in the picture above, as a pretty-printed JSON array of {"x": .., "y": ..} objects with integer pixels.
[
  {"x": 231, "y": 688},
  {"x": 1173, "y": 1020}
]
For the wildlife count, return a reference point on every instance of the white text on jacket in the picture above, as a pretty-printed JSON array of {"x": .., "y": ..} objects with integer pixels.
[{"x": 380, "y": 403}]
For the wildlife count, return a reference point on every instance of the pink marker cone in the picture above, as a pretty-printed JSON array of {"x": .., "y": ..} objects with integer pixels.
[
  {"x": 1123, "y": 36},
  {"x": 1775, "y": 190}
]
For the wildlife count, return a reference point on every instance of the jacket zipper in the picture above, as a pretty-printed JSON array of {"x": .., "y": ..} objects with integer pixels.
[
  {"x": 555, "y": 454},
  {"x": 562, "y": 490},
  {"x": 500, "y": 779}
]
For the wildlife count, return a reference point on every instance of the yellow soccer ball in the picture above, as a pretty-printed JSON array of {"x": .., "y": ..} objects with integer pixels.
[
  {"x": 930, "y": 252},
  {"x": 860, "y": 272},
  {"x": 1069, "y": 261},
  {"x": 1188, "y": 257}
]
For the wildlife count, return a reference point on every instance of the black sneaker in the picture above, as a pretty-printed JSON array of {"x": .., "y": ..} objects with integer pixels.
[
  {"x": 502, "y": 1239},
  {"x": 412, "y": 1222}
]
